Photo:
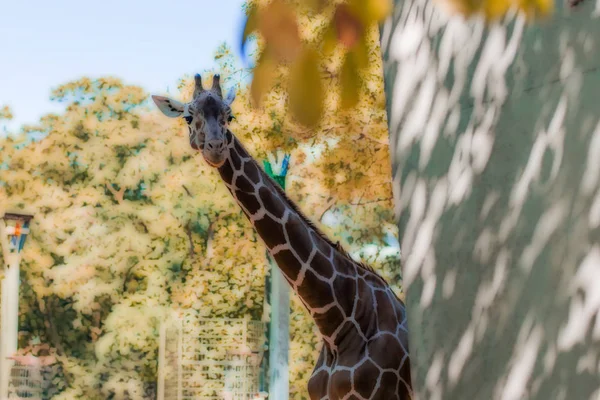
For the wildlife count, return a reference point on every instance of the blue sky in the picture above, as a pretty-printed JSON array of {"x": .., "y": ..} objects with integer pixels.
[{"x": 149, "y": 43}]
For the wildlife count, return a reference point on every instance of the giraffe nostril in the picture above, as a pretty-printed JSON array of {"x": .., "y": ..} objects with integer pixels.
[{"x": 215, "y": 146}]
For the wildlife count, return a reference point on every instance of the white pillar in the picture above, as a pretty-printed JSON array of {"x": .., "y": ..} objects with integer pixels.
[
  {"x": 179, "y": 323},
  {"x": 9, "y": 309},
  {"x": 10, "y": 321},
  {"x": 279, "y": 333},
  {"x": 160, "y": 387},
  {"x": 279, "y": 338}
]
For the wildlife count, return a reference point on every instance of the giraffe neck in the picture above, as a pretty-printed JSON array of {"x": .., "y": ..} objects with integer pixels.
[{"x": 312, "y": 265}]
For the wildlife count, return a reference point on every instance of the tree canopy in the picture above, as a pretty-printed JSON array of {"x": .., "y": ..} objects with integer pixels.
[{"x": 130, "y": 223}]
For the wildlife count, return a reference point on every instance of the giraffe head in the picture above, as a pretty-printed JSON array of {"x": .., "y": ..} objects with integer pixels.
[{"x": 207, "y": 116}]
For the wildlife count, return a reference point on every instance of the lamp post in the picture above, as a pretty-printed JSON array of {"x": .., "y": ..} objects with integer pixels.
[
  {"x": 278, "y": 295},
  {"x": 13, "y": 232}
]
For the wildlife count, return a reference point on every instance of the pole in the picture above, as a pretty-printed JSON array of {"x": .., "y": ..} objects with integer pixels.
[
  {"x": 160, "y": 387},
  {"x": 279, "y": 300},
  {"x": 13, "y": 239},
  {"x": 10, "y": 322}
]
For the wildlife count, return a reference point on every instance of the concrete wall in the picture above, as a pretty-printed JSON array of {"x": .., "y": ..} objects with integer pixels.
[{"x": 495, "y": 139}]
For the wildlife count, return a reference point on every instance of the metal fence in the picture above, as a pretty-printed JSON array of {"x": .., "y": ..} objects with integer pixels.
[
  {"x": 210, "y": 358},
  {"x": 25, "y": 382}
]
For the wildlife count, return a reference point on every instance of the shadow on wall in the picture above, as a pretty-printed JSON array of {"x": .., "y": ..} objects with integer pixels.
[{"x": 495, "y": 136}]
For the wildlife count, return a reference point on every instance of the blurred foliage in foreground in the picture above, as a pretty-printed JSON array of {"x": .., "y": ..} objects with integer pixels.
[{"x": 317, "y": 42}]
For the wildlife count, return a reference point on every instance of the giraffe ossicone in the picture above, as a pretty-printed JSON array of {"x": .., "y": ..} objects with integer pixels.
[{"x": 362, "y": 322}]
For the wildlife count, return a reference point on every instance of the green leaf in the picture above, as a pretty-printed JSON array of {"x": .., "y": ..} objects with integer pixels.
[{"x": 306, "y": 89}]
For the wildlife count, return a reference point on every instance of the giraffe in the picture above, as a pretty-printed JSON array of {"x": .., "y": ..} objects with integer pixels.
[{"x": 364, "y": 353}]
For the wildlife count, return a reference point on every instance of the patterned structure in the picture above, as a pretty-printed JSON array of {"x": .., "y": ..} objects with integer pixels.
[
  {"x": 169, "y": 364},
  {"x": 210, "y": 359},
  {"x": 362, "y": 322},
  {"x": 13, "y": 232},
  {"x": 25, "y": 382}
]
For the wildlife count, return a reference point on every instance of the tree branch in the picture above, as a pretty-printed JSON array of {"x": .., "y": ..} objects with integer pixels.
[
  {"x": 188, "y": 231},
  {"x": 126, "y": 279},
  {"x": 187, "y": 191},
  {"x": 53, "y": 334},
  {"x": 331, "y": 201},
  {"x": 118, "y": 194},
  {"x": 371, "y": 138},
  {"x": 143, "y": 226},
  {"x": 210, "y": 233},
  {"x": 95, "y": 329},
  {"x": 359, "y": 203}
]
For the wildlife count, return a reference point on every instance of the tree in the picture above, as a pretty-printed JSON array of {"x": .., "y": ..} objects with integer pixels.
[
  {"x": 5, "y": 115},
  {"x": 129, "y": 223},
  {"x": 118, "y": 198},
  {"x": 497, "y": 166}
]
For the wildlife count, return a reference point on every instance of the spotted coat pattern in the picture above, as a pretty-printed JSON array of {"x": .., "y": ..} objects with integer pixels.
[
  {"x": 364, "y": 354},
  {"x": 362, "y": 322}
]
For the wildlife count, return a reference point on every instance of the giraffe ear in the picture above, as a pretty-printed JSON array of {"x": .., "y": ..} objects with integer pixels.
[
  {"x": 230, "y": 96},
  {"x": 169, "y": 107}
]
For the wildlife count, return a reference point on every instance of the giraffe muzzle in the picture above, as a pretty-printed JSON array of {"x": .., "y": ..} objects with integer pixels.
[{"x": 214, "y": 152}]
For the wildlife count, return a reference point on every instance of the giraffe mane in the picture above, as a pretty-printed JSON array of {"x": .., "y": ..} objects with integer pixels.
[
  {"x": 337, "y": 246},
  {"x": 310, "y": 223}
]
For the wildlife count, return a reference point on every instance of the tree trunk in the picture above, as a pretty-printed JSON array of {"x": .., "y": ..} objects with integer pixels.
[{"x": 495, "y": 143}]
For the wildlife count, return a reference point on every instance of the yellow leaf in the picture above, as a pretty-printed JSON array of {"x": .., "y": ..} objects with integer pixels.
[
  {"x": 379, "y": 9},
  {"x": 370, "y": 11},
  {"x": 329, "y": 39},
  {"x": 494, "y": 9},
  {"x": 361, "y": 52},
  {"x": 263, "y": 75},
  {"x": 278, "y": 25},
  {"x": 306, "y": 89},
  {"x": 546, "y": 7},
  {"x": 533, "y": 8},
  {"x": 462, "y": 7},
  {"x": 350, "y": 82},
  {"x": 348, "y": 26}
]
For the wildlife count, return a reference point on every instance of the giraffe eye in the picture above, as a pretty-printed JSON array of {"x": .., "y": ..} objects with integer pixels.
[
  {"x": 230, "y": 118},
  {"x": 188, "y": 119}
]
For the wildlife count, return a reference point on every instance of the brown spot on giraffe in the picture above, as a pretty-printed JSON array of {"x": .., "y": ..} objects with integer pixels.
[
  {"x": 286, "y": 257},
  {"x": 316, "y": 293},
  {"x": 387, "y": 320},
  {"x": 319, "y": 260},
  {"x": 364, "y": 352},
  {"x": 251, "y": 173}
]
